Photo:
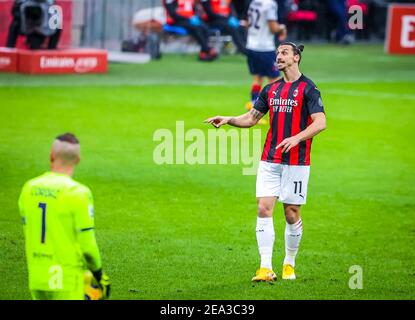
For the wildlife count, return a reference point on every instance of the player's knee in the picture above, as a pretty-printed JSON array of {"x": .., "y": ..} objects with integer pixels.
[
  {"x": 264, "y": 210},
  {"x": 292, "y": 214}
]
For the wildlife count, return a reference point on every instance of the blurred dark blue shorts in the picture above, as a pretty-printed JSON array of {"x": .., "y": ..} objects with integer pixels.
[{"x": 263, "y": 63}]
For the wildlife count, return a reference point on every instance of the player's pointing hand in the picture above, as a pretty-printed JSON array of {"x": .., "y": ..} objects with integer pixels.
[
  {"x": 288, "y": 143},
  {"x": 218, "y": 121}
]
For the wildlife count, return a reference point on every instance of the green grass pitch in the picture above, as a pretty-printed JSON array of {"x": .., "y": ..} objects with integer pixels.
[{"x": 188, "y": 231}]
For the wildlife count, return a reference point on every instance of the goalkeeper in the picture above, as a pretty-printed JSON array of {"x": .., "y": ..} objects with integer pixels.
[{"x": 58, "y": 221}]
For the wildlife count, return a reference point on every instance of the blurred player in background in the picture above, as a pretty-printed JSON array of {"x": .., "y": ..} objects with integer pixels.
[
  {"x": 296, "y": 116},
  {"x": 241, "y": 10},
  {"x": 339, "y": 11},
  {"x": 181, "y": 13},
  {"x": 263, "y": 26},
  {"x": 31, "y": 19},
  {"x": 58, "y": 222},
  {"x": 220, "y": 15}
]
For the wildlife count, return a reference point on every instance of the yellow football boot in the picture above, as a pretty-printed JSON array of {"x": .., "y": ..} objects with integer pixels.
[
  {"x": 264, "y": 274},
  {"x": 288, "y": 272}
]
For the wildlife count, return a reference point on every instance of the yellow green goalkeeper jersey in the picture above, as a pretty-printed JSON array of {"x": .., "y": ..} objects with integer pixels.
[{"x": 58, "y": 222}]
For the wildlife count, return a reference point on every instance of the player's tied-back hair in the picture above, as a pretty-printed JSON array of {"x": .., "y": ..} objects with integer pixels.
[
  {"x": 298, "y": 49},
  {"x": 66, "y": 147}
]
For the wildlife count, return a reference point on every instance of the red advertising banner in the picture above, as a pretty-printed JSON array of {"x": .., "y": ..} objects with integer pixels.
[
  {"x": 8, "y": 60},
  {"x": 400, "y": 32},
  {"x": 6, "y": 19},
  {"x": 63, "y": 61}
]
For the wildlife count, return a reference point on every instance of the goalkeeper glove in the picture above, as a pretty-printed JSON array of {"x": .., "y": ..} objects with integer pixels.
[{"x": 104, "y": 283}]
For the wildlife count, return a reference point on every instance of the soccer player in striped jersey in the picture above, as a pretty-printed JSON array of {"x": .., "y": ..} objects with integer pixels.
[
  {"x": 58, "y": 219},
  {"x": 296, "y": 115}
]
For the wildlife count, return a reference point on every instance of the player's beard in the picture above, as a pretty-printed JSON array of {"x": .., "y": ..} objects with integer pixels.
[
  {"x": 285, "y": 66},
  {"x": 282, "y": 68}
]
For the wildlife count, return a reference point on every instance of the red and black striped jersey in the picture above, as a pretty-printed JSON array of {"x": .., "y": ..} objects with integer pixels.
[{"x": 290, "y": 105}]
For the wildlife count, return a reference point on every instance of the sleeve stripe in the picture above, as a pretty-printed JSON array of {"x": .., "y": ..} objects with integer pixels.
[{"x": 87, "y": 229}]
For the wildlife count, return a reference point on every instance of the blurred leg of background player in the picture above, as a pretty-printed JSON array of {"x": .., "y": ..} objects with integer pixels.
[
  {"x": 339, "y": 10},
  {"x": 232, "y": 27},
  {"x": 200, "y": 33},
  {"x": 182, "y": 14}
]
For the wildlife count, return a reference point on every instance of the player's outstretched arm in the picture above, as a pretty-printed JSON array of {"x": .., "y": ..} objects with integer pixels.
[
  {"x": 318, "y": 125},
  {"x": 245, "y": 120}
]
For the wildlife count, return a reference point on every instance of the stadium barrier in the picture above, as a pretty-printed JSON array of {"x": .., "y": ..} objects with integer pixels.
[
  {"x": 8, "y": 60},
  {"x": 53, "y": 61},
  {"x": 400, "y": 35}
]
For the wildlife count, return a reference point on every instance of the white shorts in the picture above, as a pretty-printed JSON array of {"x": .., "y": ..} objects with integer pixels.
[{"x": 288, "y": 183}]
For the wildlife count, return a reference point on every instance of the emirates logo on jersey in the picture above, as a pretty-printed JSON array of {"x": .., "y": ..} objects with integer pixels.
[
  {"x": 283, "y": 105},
  {"x": 283, "y": 102}
]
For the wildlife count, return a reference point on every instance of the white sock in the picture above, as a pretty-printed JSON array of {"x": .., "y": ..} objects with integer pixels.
[
  {"x": 265, "y": 236},
  {"x": 293, "y": 233}
]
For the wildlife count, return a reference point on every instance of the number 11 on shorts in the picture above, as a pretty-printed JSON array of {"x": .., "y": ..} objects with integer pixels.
[{"x": 298, "y": 186}]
